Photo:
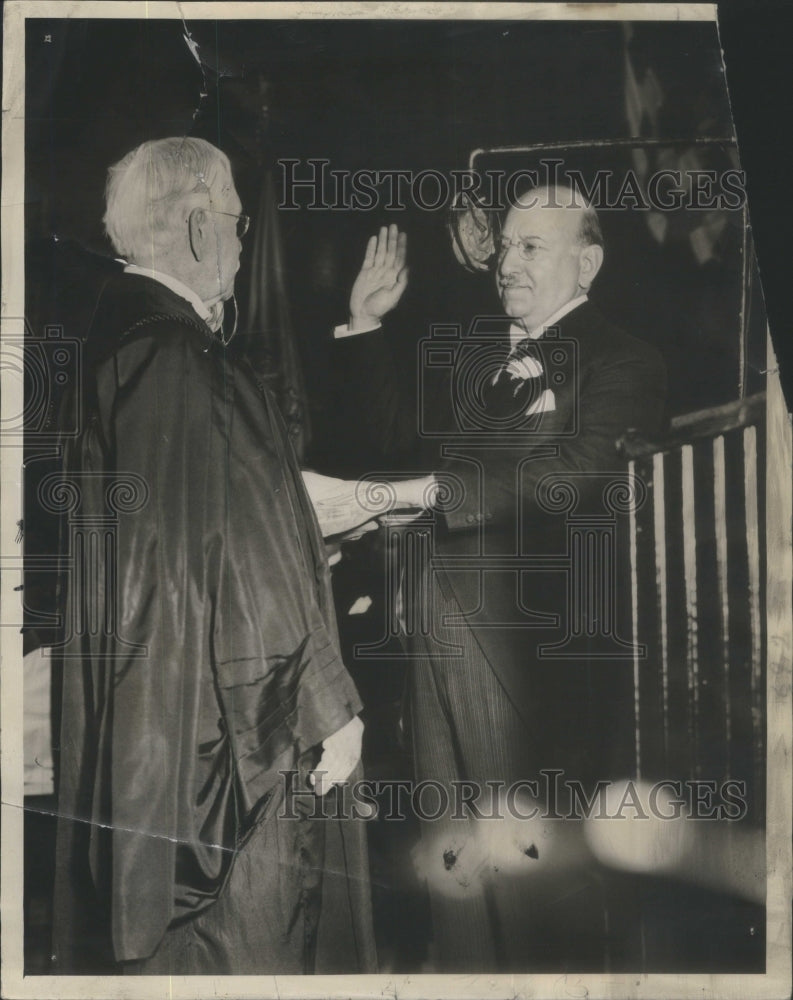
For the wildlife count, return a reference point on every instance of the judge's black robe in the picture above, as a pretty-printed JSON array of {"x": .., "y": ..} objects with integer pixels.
[{"x": 204, "y": 656}]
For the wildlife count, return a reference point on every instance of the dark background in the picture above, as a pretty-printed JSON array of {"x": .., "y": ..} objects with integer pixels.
[
  {"x": 755, "y": 37},
  {"x": 384, "y": 95}
]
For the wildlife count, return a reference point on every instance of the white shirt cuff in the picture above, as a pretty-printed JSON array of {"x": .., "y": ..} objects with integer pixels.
[{"x": 345, "y": 331}]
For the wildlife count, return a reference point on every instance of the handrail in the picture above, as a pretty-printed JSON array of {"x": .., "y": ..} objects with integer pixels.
[
  {"x": 693, "y": 426},
  {"x": 617, "y": 143}
]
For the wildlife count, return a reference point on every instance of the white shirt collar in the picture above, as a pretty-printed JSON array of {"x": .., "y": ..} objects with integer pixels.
[
  {"x": 517, "y": 332},
  {"x": 175, "y": 285}
]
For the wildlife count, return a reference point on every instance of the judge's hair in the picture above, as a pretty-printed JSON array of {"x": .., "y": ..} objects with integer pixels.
[{"x": 146, "y": 189}]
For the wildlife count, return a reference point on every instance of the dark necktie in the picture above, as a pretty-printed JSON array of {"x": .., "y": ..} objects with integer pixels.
[{"x": 517, "y": 384}]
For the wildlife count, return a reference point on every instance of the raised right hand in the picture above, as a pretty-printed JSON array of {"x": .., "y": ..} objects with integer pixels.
[{"x": 381, "y": 280}]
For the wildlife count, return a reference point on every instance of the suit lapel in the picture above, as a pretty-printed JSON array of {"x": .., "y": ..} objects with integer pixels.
[{"x": 563, "y": 351}]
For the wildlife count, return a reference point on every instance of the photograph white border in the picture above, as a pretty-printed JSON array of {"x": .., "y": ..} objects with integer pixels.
[{"x": 775, "y": 983}]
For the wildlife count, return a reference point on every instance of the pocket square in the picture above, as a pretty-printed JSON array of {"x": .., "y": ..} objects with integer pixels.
[
  {"x": 544, "y": 404},
  {"x": 524, "y": 368}
]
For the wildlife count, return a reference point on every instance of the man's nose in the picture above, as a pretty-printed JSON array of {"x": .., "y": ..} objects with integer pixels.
[{"x": 509, "y": 261}]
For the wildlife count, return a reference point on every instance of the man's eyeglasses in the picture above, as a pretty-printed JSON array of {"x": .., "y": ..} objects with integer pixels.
[
  {"x": 527, "y": 249},
  {"x": 243, "y": 221}
]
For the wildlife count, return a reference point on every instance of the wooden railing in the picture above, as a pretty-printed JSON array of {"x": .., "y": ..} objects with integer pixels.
[{"x": 698, "y": 603}]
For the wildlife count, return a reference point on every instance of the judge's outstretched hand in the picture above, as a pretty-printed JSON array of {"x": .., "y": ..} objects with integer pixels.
[
  {"x": 340, "y": 754},
  {"x": 382, "y": 279}
]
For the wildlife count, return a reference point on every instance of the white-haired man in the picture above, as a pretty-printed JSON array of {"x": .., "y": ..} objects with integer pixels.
[
  {"x": 199, "y": 722},
  {"x": 486, "y": 705}
]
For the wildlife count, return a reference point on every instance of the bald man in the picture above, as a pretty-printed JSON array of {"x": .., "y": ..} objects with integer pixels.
[{"x": 498, "y": 691}]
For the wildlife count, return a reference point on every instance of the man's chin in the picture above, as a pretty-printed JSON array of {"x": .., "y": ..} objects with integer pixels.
[{"x": 515, "y": 302}]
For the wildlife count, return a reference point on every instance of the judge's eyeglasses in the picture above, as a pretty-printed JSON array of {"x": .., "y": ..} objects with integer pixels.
[{"x": 243, "y": 221}]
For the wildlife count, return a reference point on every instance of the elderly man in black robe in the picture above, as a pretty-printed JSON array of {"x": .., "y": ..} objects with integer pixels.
[{"x": 211, "y": 712}]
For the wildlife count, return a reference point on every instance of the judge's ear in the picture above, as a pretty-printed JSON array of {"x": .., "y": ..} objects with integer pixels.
[
  {"x": 589, "y": 260},
  {"x": 197, "y": 227}
]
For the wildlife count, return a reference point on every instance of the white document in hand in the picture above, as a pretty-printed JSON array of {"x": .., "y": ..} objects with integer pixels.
[{"x": 336, "y": 504}]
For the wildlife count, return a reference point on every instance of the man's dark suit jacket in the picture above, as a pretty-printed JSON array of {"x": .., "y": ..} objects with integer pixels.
[{"x": 603, "y": 382}]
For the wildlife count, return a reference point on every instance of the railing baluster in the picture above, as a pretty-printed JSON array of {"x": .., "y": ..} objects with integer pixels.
[
  {"x": 659, "y": 526},
  {"x": 756, "y": 638},
  {"x": 720, "y": 522},
  {"x": 692, "y": 623},
  {"x": 635, "y": 630}
]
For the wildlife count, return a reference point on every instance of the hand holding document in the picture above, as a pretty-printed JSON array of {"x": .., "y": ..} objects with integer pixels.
[
  {"x": 336, "y": 504},
  {"x": 350, "y": 507}
]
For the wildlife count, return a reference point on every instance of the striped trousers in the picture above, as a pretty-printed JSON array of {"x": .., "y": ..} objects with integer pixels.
[{"x": 524, "y": 915}]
